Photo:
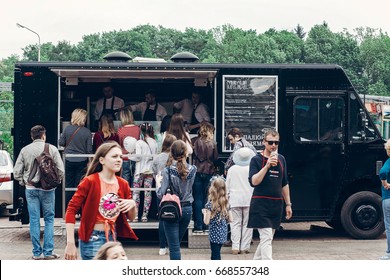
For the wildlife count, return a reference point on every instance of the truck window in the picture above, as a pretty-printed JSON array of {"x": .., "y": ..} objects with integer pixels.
[
  {"x": 361, "y": 128},
  {"x": 318, "y": 119}
]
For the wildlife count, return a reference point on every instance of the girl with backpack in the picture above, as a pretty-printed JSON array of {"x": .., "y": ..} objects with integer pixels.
[
  {"x": 182, "y": 176},
  {"x": 145, "y": 148},
  {"x": 106, "y": 203},
  {"x": 159, "y": 163},
  {"x": 216, "y": 215}
]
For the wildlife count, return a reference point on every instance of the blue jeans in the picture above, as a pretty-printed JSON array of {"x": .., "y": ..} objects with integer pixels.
[
  {"x": 215, "y": 251},
  {"x": 161, "y": 232},
  {"x": 199, "y": 192},
  {"x": 38, "y": 199},
  {"x": 128, "y": 167},
  {"x": 174, "y": 231},
  {"x": 88, "y": 250},
  {"x": 386, "y": 217}
]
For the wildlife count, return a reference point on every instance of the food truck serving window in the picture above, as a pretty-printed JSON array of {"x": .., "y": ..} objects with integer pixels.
[
  {"x": 319, "y": 119},
  {"x": 249, "y": 103}
]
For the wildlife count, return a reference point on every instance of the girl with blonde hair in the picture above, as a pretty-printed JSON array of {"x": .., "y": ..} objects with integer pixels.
[
  {"x": 112, "y": 250},
  {"x": 216, "y": 215},
  {"x": 179, "y": 176}
]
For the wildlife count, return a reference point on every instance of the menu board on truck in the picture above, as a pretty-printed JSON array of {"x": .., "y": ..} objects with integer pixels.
[{"x": 249, "y": 103}]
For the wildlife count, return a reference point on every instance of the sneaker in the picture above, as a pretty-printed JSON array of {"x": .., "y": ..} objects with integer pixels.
[
  {"x": 162, "y": 251},
  {"x": 385, "y": 257},
  {"x": 40, "y": 257},
  {"x": 52, "y": 257}
]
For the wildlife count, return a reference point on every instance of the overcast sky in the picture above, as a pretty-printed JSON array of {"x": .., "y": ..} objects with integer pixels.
[{"x": 71, "y": 19}]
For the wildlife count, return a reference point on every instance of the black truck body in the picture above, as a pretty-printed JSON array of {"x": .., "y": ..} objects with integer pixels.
[{"x": 332, "y": 147}]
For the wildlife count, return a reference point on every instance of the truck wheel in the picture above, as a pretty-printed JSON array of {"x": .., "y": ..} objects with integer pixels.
[{"x": 362, "y": 216}]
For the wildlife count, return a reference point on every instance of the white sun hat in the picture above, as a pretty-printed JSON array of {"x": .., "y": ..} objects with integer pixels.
[{"x": 243, "y": 156}]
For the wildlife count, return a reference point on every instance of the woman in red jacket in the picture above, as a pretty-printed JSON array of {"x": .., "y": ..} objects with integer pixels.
[{"x": 106, "y": 202}]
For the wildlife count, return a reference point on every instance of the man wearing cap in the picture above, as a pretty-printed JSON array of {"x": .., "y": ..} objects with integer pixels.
[
  {"x": 240, "y": 192},
  {"x": 268, "y": 177}
]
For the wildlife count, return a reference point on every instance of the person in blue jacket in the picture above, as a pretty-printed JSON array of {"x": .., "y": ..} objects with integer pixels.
[{"x": 384, "y": 175}]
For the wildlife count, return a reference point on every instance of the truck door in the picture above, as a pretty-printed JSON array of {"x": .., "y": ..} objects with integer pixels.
[{"x": 315, "y": 153}]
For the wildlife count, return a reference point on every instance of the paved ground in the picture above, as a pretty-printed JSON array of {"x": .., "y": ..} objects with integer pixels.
[{"x": 298, "y": 241}]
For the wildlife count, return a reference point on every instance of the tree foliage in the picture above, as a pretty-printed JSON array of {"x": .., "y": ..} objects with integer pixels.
[{"x": 364, "y": 54}]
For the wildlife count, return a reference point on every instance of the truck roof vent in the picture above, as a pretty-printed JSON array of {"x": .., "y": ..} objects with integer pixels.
[
  {"x": 184, "y": 57},
  {"x": 117, "y": 57}
]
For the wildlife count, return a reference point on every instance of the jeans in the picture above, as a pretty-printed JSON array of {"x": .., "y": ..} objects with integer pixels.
[
  {"x": 199, "y": 192},
  {"x": 38, "y": 199},
  {"x": 174, "y": 231},
  {"x": 161, "y": 232},
  {"x": 88, "y": 250},
  {"x": 215, "y": 251},
  {"x": 128, "y": 167},
  {"x": 386, "y": 216},
  {"x": 264, "y": 249}
]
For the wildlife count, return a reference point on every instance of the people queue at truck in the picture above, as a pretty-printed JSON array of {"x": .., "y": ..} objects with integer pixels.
[{"x": 126, "y": 160}]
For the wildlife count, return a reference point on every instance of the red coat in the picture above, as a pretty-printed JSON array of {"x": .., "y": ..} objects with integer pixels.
[{"x": 87, "y": 197}]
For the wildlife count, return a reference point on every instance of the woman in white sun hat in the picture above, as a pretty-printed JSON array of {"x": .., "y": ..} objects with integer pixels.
[{"x": 240, "y": 193}]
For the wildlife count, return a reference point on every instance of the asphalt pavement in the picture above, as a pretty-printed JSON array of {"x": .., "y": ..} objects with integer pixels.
[{"x": 297, "y": 241}]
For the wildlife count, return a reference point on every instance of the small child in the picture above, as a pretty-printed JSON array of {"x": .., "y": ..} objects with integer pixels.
[
  {"x": 111, "y": 250},
  {"x": 216, "y": 215}
]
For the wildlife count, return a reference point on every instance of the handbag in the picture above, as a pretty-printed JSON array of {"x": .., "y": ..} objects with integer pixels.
[{"x": 170, "y": 206}]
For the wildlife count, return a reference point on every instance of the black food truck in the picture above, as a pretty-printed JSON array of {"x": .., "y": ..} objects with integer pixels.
[{"x": 332, "y": 147}]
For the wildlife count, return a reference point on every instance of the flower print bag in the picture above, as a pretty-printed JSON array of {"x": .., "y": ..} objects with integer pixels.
[{"x": 170, "y": 207}]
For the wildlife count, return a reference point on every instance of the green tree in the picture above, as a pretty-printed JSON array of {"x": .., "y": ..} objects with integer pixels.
[
  {"x": 300, "y": 32},
  {"x": 375, "y": 56},
  {"x": 7, "y": 66}
]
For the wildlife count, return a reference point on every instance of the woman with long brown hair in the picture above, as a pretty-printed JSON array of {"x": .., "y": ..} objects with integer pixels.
[
  {"x": 176, "y": 127},
  {"x": 105, "y": 133},
  {"x": 106, "y": 202},
  {"x": 204, "y": 156},
  {"x": 182, "y": 176}
]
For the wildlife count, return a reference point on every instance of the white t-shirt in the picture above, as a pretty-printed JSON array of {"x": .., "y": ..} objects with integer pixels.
[{"x": 118, "y": 103}]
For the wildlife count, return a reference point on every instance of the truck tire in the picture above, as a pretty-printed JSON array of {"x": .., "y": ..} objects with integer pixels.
[{"x": 362, "y": 216}]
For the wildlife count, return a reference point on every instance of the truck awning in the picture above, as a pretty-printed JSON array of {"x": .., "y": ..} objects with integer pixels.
[{"x": 97, "y": 75}]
